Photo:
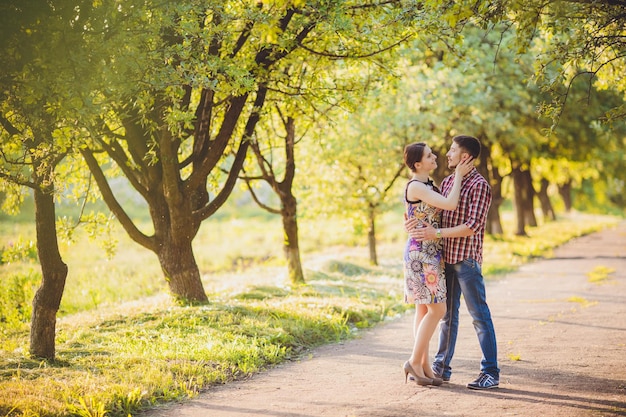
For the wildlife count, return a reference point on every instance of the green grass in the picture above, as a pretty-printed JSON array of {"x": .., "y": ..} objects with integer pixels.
[
  {"x": 122, "y": 361},
  {"x": 123, "y": 345}
]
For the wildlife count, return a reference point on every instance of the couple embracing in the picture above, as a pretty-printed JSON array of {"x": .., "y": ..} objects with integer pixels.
[{"x": 443, "y": 259}]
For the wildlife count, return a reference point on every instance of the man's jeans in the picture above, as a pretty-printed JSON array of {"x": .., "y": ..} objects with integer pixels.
[{"x": 466, "y": 278}]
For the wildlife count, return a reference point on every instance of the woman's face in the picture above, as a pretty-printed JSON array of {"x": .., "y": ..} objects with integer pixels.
[{"x": 429, "y": 159}]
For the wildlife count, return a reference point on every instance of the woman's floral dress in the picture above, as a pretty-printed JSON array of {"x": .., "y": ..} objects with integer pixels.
[{"x": 424, "y": 279}]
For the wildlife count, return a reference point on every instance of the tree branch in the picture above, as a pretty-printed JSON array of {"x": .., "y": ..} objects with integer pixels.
[
  {"x": 208, "y": 210},
  {"x": 115, "y": 151},
  {"x": 15, "y": 180},
  {"x": 349, "y": 56},
  {"x": 8, "y": 126},
  {"x": 115, "y": 207},
  {"x": 256, "y": 198}
]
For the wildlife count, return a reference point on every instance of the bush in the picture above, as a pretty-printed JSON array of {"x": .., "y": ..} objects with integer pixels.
[
  {"x": 16, "y": 295},
  {"x": 19, "y": 251}
]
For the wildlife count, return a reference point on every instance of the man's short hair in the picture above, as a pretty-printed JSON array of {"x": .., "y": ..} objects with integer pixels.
[{"x": 469, "y": 144}]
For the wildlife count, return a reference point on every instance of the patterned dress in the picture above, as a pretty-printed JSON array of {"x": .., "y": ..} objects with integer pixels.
[{"x": 424, "y": 277}]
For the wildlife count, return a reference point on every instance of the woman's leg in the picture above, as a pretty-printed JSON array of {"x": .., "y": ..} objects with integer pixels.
[
  {"x": 435, "y": 314},
  {"x": 425, "y": 330},
  {"x": 421, "y": 310}
]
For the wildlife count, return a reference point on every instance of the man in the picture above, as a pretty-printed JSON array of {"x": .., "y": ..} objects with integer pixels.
[{"x": 463, "y": 232}]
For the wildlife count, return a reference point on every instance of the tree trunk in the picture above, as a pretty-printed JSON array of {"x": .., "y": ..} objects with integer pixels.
[
  {"x": 174, "y": 230},
  {"x": 181, "y": 271},
  {"x": 494, "y": 224},
  {"x": 491, "y": 173},
  {"x": 290, "y": 244},
  {"x": 371, "y": 237},
  {"x": 544, "y": 199},
  {"x": 288, "y": 203},
  {"x": 529, "y": 199},
  {"x": 519, "y": 195},
  {"x": 54, "y": 273},
  {"x": 565, "y": 191}
]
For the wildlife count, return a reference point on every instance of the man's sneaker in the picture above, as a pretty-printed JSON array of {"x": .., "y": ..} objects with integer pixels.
[{"x": 484, "y": 381}]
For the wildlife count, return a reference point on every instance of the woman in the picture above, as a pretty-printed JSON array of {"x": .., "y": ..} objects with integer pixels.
[{"x": 425, "y": 284}]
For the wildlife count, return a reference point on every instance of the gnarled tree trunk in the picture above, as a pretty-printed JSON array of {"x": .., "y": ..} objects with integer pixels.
[
  {"x": 284, "y": 191},
  {"x": 491, "y": 173},
  {"x": 181, "y": 271},
  {"x": 544, "y": 199},
  {"x": 524, "y": 196},
  {"x": 54, "y": 273},
  {"x": 565, "y": 190}
]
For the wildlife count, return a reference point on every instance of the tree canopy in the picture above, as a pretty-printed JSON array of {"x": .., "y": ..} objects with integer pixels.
[{"x": 173, "y": 95}]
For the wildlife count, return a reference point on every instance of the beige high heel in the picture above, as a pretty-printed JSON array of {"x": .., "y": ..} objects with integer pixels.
[
  {"x": 420, "y": 380},
  {"x": 436, "y": 381}
]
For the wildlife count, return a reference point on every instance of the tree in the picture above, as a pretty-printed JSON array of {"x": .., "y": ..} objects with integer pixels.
[
  {"x": 579, "y": 38},
  {"x": 361, "y": 159},
  {"x": 582, "y": 148},
  {"x": 282, "y": 188},
  {"x": 313, "y": 89},
  {"x": 569, "y": 41},
  {"x": 475, "y": 87},
  {"x": 180, "y": 100},
  {"x": 33, "y": 144},
  {"x": 41, "y": 160}
]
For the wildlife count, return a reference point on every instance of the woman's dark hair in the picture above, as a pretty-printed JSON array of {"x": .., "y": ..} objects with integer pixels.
[
  {"x": 469, "y": 144},
  {"x": 413, "y": 153}
]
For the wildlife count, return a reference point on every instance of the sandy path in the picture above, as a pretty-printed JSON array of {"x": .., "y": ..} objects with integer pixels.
[{"x": 561, "y": 341}]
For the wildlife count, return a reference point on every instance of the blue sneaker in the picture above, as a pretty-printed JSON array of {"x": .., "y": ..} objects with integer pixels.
[{"x": 484, "y": 381}]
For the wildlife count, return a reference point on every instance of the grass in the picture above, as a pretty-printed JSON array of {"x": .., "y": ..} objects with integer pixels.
[
  {"x": 123, "y": 345},
  {"x": 122, "y": 362}
]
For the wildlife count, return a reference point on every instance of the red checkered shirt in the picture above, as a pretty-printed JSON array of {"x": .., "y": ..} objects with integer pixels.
[{"x": 472, "y": 211}]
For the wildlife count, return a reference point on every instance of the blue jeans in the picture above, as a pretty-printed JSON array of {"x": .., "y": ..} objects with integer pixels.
[{"x": 466, "y": 278}]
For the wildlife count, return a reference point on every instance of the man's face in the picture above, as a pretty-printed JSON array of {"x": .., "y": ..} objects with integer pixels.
[{"x": 454, "y": 155}]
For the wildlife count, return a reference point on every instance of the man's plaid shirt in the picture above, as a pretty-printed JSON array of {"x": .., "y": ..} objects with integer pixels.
[{"x": 472, "y": 210}]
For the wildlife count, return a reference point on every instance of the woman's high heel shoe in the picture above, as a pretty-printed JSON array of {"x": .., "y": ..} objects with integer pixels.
[
  {"x": 420, "y": 380},
  {"x": 436, "y": 381}
]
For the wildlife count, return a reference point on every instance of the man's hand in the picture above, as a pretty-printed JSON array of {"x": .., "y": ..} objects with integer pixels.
[
  {"x": 420, "y": 232},
  {"x": 425, "y": 232},
  {"x": 410, "y": 224}
]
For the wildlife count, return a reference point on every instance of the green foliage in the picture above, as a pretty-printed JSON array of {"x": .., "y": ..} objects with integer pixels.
[
  {"x": 16, "y": 295},
  {"x": 98, "y": 227},
  {"x": 358, "y": 161},
  {"x": 602, "y": 197},
  {"x": 12, "y": 197},
  {"x": 20, "y": 250},
  {"x": 87, "y": 72}
]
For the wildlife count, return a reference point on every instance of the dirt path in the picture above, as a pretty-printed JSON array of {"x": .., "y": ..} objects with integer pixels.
[{"x": 561, "y": 341}]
